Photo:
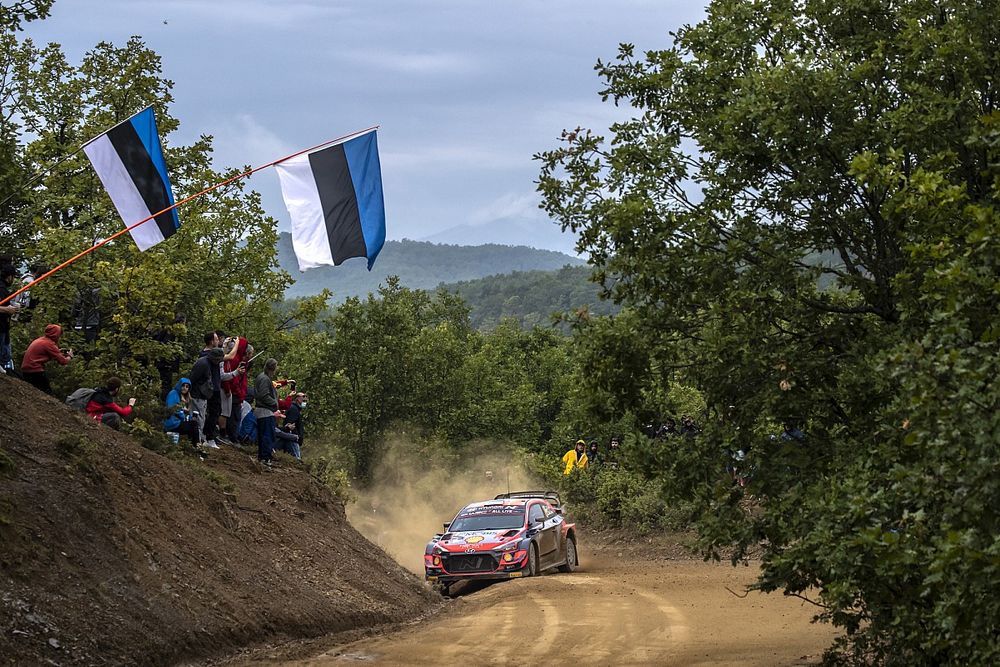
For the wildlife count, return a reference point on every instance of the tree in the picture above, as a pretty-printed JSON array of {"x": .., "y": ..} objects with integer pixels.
[
  {"x": 218, "y": 269},
  {"x": 801, "y": 187}
]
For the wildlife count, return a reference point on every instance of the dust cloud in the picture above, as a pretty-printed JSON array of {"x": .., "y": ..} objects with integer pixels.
[{"x": 412, "y": 494}]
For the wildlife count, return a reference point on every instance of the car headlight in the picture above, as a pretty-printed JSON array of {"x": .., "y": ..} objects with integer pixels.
[{"x": 510, "y": 546}]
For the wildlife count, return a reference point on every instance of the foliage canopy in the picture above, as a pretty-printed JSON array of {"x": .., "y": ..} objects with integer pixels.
[{"x": 802, "y": 220}]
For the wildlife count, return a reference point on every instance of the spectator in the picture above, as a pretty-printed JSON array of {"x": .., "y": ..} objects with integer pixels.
[
  {"x": 575, "y": 458},
  {"x": 226, "y": 377},
  {"x": 792, "y": 433},
  {"x": 7, "y": 275},
  {"x": 102, "y": 406},
  {"x": 688, "y": 427},
  {"x": 266, "y": 410},
  {"x": 667, "y": 429},
  {"x": 25, "y": 300},
  {"x": 611, "y": 457},
  {"x": 237, "y": 387},
  {"x": 594, "y": 457},
  {"x": 181, "y": 406},
  {"x": 87, "y": 313},
  {"x": 170, "y": 365},
  {"x": 293, "y": 422},
  {"x": 205, "y": 379},
  {"x": 41, "y": 351}
]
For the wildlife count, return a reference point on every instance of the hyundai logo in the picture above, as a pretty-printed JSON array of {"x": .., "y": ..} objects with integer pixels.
[{"x": 470, "y": 551}]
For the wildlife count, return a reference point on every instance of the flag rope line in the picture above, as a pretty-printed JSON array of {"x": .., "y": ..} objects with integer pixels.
[
  {"x": 58, "y": 162},
  {"x": 229, "y": 180}
]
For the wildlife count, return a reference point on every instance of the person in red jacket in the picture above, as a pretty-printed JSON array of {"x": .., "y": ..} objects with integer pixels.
[
  {"x": 235, "y": 387},
  {"x": 41, "y": 351},
  {"x": 102, "y": 407}
]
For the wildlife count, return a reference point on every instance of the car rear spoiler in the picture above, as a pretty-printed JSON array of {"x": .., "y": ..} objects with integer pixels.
[{"x": 550, "y": 496}]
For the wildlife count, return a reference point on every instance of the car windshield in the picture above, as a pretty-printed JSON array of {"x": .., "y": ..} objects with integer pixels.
[{"x": 488, "y": 518}]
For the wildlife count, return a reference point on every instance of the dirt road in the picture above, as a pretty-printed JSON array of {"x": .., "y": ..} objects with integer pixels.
[{"x": 645, "y": 612}]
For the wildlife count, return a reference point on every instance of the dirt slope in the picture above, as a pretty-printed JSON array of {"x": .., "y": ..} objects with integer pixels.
[{"x": 113, "y": 554}]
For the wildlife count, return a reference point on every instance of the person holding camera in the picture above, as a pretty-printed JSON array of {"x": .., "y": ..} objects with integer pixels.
[
  {"x": 102, "y": 406},
  {"x": 41, "y": 351}
]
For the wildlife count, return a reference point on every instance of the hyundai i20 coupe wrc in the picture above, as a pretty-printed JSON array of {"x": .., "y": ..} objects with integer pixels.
[{"x": 514, "y": 535}]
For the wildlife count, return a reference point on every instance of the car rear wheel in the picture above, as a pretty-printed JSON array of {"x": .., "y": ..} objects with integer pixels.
[
  {"x": 532, "y": 561},
  {"x": 570, "y": 564}
]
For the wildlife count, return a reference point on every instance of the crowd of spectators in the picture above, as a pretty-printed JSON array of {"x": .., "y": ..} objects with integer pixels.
[
  {"x": 585, "y": 455},
  {"x": 214, "y": 402}
]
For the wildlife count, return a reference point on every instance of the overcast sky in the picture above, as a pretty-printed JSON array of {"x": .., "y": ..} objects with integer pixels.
[{"x": 465, "y": 91}]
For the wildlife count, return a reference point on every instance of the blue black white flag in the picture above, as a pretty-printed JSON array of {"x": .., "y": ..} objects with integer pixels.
[
  {"x": 128, "y": 159},
  {"x": 334, "y": 198}
]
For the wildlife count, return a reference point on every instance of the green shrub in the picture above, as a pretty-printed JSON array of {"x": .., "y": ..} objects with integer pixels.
[
  {"x": 79, "y": 450},
  {"x": 332, "y": 476},
  {"x": 151, "y": 437},
  {"x": 6, "y": 463}
]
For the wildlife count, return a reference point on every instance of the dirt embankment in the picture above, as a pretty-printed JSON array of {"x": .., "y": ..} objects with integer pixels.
[{"x": 113, "y": 554}]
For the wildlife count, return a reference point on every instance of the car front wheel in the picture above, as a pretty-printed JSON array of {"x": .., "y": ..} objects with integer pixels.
[
  {"x": 532, "y": 561},
  {"x": 570, "y": 556}
]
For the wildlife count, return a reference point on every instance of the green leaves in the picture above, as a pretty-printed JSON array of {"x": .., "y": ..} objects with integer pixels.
[{"x": 801, "y": 221}]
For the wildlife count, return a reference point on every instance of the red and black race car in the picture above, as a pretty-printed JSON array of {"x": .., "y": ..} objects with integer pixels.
[{"x": 514, "y": 535}]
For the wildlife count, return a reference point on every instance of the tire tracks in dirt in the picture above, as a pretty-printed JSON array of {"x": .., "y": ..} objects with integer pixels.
[{"x": 608, "y": 613}]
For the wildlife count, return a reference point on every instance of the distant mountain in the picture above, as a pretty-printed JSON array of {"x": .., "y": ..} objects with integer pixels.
[
  {"x": 531, "y": 297},
  {"x": 509, "y": 231},
  {"x": 419, "y": 265}
]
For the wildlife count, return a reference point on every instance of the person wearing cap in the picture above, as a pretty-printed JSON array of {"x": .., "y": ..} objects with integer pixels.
[
  {"x": 575, "y": 458},
  {"x": 41, "y": 351},
  {"x": 102, "y": 407}
]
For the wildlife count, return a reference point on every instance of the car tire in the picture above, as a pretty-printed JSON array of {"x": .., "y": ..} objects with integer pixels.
[
  {"x": 532, "y": 561},
  {"x": 570, "y": 564}
]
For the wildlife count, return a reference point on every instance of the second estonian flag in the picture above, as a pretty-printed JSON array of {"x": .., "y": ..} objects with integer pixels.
[
  {"x": 129, "y": 161},
  {"x": 334, "y": 198}
]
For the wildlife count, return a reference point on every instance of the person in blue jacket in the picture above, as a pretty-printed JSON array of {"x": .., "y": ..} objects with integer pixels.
[{"x": 181, "y": 406}]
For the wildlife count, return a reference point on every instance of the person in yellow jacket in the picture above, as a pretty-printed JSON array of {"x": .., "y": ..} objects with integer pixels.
[{"x": 575, "y": 458}]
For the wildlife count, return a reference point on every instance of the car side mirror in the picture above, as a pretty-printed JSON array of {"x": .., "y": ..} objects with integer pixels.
[{"x": 446, "y": 526}]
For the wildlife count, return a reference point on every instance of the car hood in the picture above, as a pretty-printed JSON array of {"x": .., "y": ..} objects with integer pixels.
[{"x": 477, "y": 540}]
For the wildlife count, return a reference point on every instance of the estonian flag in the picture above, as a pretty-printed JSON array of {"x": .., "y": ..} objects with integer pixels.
[
  {"x": 129, "y": 161},
  {"x": 334, "y": 197}
]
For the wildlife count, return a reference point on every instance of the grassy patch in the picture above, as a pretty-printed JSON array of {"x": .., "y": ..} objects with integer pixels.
[
  {"x": 332, "y": 477},
  {"x": 220, "y": 481},
  {"x": 149, "y": 436},
  {"x": 6, "y": 463},
  {"x": 78, "y": 450}
]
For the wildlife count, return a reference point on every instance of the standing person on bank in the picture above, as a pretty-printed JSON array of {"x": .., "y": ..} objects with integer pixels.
[
  {"x": 41, "y": 351},
  {"x": 266, "y": 411}
]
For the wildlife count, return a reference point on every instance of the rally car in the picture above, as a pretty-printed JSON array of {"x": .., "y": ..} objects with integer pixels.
[{"x": 514, "y": 535}]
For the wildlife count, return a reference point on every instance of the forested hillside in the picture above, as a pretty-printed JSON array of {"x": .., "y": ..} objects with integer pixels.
[
  {"x": 419, "y": 265},
  {"x": 531, "y": 297}
]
